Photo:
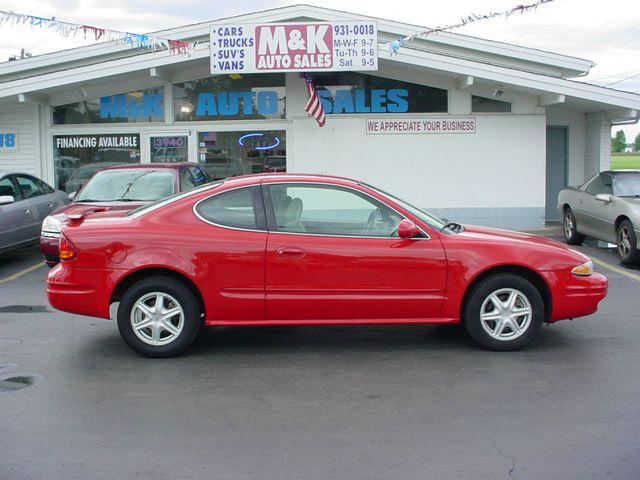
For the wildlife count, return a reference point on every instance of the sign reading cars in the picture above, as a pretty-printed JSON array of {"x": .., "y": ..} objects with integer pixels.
[{"x": 305, "y": 47}]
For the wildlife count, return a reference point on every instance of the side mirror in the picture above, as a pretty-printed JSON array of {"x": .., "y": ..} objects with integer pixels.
[
  {"x": 5, "y": 199},
  {"x": 603, "y": 197},
  {"x": 407, "y": 229},
  {"x": 72, "y": 195}
]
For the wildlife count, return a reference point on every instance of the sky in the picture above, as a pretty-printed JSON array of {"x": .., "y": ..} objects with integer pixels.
[{"x": 607, "y": 33}]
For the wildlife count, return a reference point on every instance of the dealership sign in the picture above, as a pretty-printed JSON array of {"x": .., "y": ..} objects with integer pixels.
[
  {"x": 304, "y": 47},
  {"x": 425, "y": 125}
]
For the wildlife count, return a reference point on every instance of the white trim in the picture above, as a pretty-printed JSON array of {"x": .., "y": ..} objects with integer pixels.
[{"x": 200, "y": 31}]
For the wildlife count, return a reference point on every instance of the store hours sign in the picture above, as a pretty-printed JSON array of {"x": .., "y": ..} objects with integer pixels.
[{"x": 304, "y": 47}]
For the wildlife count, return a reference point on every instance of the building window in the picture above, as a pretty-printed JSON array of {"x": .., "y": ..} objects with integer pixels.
[
  {"x": 489, "y": 105},
  {"x": 231, "y": 97},
  {"x": 351, "y": 92},
  {"x": 77, "y": 157},
  {"x": 132, "y": 107},
  {"x": 229, "y": 154}
]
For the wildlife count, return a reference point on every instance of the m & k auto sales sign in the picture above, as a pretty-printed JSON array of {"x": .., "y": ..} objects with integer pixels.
[{"x": 286, "y": 47}]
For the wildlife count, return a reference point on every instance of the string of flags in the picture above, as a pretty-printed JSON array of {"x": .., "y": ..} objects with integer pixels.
[
  {"x": 67, "y": 29},
  {"x": 397, "y": 44}
]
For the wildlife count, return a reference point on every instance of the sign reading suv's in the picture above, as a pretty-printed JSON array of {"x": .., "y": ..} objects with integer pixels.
[{"x": 305, "y": 47}]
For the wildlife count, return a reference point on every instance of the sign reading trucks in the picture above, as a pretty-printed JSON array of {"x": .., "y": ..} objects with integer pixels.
[{"x": 282, "y": 47}]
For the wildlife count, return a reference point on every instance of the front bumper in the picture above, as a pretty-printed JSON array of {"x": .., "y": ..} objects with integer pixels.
[{"x": 575, "y": 296}]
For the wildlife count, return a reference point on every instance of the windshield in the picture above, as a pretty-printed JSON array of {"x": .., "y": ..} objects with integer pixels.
[
  {"x": 627, "y": 184},
  {"x": 128, "y": 185},
  {"x": 432, "y": 221}
]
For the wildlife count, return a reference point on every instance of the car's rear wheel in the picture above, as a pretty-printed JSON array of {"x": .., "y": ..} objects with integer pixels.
[
  {"x": 569, "y": 228},
  {"x": 627, "y": 249},
  {"x": 158, "y": 317},
  {"x": 503, "y": 312}
]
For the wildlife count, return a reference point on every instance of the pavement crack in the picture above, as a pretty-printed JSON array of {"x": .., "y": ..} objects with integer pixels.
[{"x": 508, "y": 457}]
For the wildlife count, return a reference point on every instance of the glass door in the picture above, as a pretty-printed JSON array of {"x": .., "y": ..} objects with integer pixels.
[{"x": 168, "y": 148}]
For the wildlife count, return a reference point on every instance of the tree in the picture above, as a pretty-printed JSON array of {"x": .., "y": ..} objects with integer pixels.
[
  {"x": 636, "y": 143},
  {"x": 618, "y": 142}
]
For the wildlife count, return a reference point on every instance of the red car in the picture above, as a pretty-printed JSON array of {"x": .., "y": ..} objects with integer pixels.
[
  {"x": 120, "y": 187},
  {"x": 283, "y": 249}
]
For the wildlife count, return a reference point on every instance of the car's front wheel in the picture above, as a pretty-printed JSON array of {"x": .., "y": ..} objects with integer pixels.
[
  {"x": 627, "y": 246},
  {"x": 571, "y": 235},
  {"x": 158, "y": 317},
  {"x": 503, "y": 312}
]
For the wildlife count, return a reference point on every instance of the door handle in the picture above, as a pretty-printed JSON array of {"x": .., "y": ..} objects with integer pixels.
[
  {"x": 27, "y": 211},
  {"x": 51, "y": 205},
  {"x": 290, "y": 252}
]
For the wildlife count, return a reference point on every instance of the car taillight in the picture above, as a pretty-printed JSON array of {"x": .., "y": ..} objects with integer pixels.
[{"x": 66, "y": 250}]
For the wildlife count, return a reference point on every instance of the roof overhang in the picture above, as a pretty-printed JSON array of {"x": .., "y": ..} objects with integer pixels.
[{"x": 64, "y": 77}]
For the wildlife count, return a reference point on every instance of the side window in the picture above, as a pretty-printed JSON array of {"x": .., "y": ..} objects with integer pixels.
[
  {"x": 8, "y": 188},
  {"x": 45, "y": 188},
  {"x": 234, "y": 208},
  {"x": 29, "y": 186},
  {"x": 331, "y": 210},
  {"x": 601, "y": 184},
  {"x": 199, "y": 176},
  {"x": 186, "y": 180}
]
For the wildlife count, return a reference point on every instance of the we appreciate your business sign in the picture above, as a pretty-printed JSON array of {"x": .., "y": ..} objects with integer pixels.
[{"x": 304, "y": 47}]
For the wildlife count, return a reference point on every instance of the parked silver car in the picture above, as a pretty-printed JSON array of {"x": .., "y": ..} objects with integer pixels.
[
  {"x": 607, "y": 207},
  {"x": 25, "y": 201}
]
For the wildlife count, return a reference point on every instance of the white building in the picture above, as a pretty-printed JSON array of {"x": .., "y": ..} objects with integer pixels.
[{"x": 473, "y": 130}]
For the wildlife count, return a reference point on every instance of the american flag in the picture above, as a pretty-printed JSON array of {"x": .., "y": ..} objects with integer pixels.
[{"x": 314, "y": 105}]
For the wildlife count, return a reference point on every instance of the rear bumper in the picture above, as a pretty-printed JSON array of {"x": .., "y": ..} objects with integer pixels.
[
  {"x": 575, "y": 296},
  {"x": 83, "y": 292}
]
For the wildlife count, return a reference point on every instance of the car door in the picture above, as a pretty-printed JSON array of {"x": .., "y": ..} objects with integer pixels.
[
  {"x": 39, "y": 199},
  {"x": 233, "y": 263},
  {"x": 594, "y": 217},
  {"x": 15, "y": 218},
  {"x": 333, "y": 254}
]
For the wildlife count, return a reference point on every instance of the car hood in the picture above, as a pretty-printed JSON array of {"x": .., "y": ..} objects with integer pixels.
[
  {"x": 497, "y": 234},
  {"x": 634, "y": 201},
  {"x": 546, "y": 253}
]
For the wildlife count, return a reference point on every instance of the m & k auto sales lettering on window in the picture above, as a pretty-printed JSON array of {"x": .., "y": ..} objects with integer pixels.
[{"x": 304, "y": 47}]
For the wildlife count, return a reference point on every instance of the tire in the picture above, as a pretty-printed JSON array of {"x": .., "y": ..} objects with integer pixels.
[
  {"x": 569, "y": 228},
  {"x": 154, "y": 335},
  {"x": 627, "y": 243},
  {"x": 509, "y": 329}
]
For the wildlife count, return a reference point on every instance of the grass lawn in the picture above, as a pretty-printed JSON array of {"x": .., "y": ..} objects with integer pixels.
[{"x": 620, "y": 161}]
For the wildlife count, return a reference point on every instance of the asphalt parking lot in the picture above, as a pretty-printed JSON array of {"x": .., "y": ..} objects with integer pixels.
[{"x": 382, "y": 402}]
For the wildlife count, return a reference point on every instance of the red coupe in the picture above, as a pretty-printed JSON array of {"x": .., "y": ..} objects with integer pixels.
[{"x": 284, "y": 249}]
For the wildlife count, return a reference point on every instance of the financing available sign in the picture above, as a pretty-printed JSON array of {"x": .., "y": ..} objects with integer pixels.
[{"x": 286, "y": 47}]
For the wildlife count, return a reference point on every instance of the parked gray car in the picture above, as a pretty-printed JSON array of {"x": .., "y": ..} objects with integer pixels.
[
  {"x": 25, "y": 201},
  {"x": 607, "y": 207}
]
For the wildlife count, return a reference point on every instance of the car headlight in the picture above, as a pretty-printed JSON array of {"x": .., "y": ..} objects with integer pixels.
[
  {"x": 583, "y": 270},
  {"x": 51, "y": 224}
]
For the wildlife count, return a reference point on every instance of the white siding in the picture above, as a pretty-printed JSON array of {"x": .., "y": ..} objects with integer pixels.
[
  {"x": 598, "y": 144},
  {"x": 501, "y": 166},
  {"x": 22, "y": 118}
]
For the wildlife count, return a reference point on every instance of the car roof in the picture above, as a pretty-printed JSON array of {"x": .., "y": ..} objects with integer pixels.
[
  {"x": 288, "y": 177},
  {"x": 152, "y": 166}
]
